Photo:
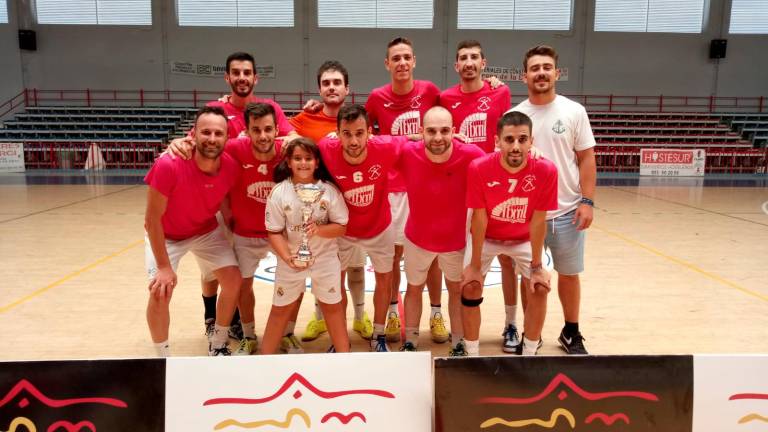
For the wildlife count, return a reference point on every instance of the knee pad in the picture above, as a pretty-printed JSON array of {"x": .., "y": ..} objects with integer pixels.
[{"x": 471, "y": 302}]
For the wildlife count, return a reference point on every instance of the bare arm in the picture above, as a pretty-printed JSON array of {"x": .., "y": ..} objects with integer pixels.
[
  {"x": 165, "y": 279},
  {"x": 587, "y": 181},
  {"x": 330, "y": 230},
  {"x": 538, "y": 230}
]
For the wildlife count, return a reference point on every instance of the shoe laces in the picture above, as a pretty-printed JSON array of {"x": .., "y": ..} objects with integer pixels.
[
  {"x": 381, "y": 343},
  {"x": 223, "y": 351},
  {"x": 510, "y": 331},
  {"x": 438, "y": 323}
]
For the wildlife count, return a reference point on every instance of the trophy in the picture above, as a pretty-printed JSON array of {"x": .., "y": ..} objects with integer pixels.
[{"x": 308, "y": 194}]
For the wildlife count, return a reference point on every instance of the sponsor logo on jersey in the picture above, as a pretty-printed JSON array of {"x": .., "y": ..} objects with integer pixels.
[
  {"x": 374, "y": 172},
  {"x": 483, "y": 104},
  {"x": 407, "y": 123},
  {"x": 259, "y": 191},
  {"x": 512, "y": 210},
  {"x": 474, "y": 127},
  {"x": 359, "y": 197},
  {"x": 528, "y": 182}
]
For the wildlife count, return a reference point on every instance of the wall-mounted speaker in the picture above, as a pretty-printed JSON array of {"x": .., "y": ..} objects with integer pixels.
[
  {"x": 27, "y": 40},
  {"x": 717, "y": 48}
]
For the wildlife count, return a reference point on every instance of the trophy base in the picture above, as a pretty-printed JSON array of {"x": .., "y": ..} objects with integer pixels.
[{"x": 303, "y": 262}]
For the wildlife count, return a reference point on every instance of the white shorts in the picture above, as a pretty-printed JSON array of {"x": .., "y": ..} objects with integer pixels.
[
  {"x": 249, "y": 251},
  {"x": 381, "y": 250},
  {"x": 325, "y": 274},
  {"x": 398, "y": 204},
  {"x": 358, "y": 257},
  {"x": 211, "y": 250},
  {"x": 518, "y": 251},
  {"x": 418, "y": 260}
]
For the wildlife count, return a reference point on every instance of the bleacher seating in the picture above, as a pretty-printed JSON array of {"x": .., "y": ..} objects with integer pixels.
[{"x": 60, "y": 136}]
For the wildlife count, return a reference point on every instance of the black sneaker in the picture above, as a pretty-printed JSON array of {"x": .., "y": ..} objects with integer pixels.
[
  {"x": 331, "y": 349},
  {"x": 511, "y": 339},
  {"x": 215, "y": 352},
  {"x": 408, "y": 347},
  {"x": 236, "y": 331},
  {"x": 573, "y": 345},
  {"x": 458, "y": 351}
]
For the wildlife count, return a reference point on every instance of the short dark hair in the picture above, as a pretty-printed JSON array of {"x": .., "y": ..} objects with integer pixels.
[
  {"x": 397, "y": 41},
  {"x": 240, "y": 56},
  {"x": 332, "y": 65},
  {"x": 350, "y": 113},
  {"x": 282, "y": 171},
  {"x": 542, "y": 50},
  {"x": 469, "y": 43},
  {"x": 514, "y": 118},
  {"x": 211, "y": 110},
  {"x": 258, "y": 110}
]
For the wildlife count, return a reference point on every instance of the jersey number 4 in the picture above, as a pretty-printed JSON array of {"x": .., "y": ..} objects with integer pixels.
[{"x": 262, "y": 169}]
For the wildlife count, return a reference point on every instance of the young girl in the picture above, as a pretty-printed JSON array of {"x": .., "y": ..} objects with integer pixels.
[{"x": 302, "y": 166}]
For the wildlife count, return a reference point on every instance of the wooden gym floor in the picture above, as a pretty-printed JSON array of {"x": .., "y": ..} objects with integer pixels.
[{"x": 672, "y": 267}]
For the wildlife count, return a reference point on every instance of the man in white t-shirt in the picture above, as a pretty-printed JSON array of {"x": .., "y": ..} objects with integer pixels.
[{"x": 564, "y": 136}]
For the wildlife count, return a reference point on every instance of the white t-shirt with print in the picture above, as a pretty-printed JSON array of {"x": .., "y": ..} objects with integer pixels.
[
  {"x": 284, "y": 214},
  {"x": 560, "y": 129}
]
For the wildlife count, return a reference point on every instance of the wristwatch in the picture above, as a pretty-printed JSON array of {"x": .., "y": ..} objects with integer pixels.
[{"x": 587, "y": 201}]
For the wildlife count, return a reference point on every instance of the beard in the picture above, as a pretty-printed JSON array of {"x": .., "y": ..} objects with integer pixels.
[
  {"x": 514, "y": 160},
  {"x": 437, "y": 150},
  {"x": 209, "y": 152}
]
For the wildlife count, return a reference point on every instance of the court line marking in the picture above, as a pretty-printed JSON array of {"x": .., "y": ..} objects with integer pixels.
[
  {"x": 68, "y": 204},
  {"x": 728, "y": 215},
  {"x": 72, "y": 275},
  {"x": 684, "y": 263}
]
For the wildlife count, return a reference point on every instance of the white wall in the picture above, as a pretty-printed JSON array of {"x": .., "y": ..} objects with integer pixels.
[{"x": 78, "y": 57}]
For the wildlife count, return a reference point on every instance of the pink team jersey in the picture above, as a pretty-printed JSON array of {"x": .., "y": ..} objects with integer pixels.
[
  {"x": 236, "y": 118},
  {"x": 248, "y": 198},
  {"x": 400, "y": 114},
  {"x": 475, "y": 114},
  {"x": 511, "y": 199},
  {"x": 437, "y": 220},
  {"x": 193, "y": 196},
  {"x": 364, "y": 186}
]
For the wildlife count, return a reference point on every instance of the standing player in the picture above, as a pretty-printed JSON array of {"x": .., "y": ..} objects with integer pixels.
[
  {"x": 510, "y": 193},
  {"x": 563, "y": 135},
  {"x": 435, "y": 173},
  {"x": 302, "y": 166},
  {"x": 476, "y": 107},
  {"x": 360, "y": 164},
  {"x": 240, "y": 75},
  {"x": 183, "y": 198},
  {"x": 397, "y": 108},
  {"x": 333, "y": 85}
]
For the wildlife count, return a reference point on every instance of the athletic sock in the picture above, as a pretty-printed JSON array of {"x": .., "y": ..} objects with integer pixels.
[
  {"x": 472, "y": 347},
  {"x": 511, "y": 314},
  {"x": 393, "y": 307},
  {"x": 290, "y": 328},
  {"x": 571, "y": 328},
  {"x": 378, "y": 329},
  {"x": 249, "y": 330},
  {"x": 210, "y": 306},
  {"x": 163, "y": 349},
  {"x": 435, "y": 309},
  {"x": 220, "y": 336},
  {"x": 318, "y": 312},
  {"x": 356, "y": 282},
  {"x": 456, "y": 337},
  {"x": 530, "y": 347}
]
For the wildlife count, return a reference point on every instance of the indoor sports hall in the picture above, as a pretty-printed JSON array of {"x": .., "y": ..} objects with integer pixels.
[{"x": 674, "y": 292}]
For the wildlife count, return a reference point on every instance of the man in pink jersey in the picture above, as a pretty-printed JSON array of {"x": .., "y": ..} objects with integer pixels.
[
  {"x": 476, "y": 108},
  {"x": 360, "y": 163},
  {"x": 397, "y": 108},
  {"x": 241, "y": 77},
  {"x": 435, "y": 173},
  {"x": 183, "y": 198},
  {"x": 510, "y": 194}
]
